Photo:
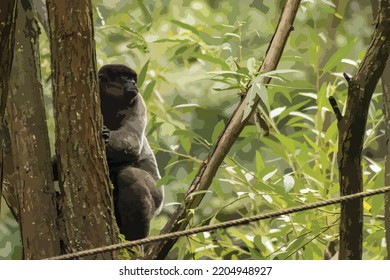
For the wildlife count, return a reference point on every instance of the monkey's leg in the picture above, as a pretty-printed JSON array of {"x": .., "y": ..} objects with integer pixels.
[{"x": 134, "y": 205}]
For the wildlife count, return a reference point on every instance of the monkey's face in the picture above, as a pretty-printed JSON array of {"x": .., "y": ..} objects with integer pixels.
[{"x": 118, "y": 82}]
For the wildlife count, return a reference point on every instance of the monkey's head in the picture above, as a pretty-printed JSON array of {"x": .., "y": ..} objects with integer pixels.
[{"x": 118, "y": 82}]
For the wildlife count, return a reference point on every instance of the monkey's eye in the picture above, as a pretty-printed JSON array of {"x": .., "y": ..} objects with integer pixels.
[{"x": 130, "y": 79}]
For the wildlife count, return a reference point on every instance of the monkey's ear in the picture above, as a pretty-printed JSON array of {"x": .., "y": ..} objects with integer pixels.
[{"x": 102, "y": 78}]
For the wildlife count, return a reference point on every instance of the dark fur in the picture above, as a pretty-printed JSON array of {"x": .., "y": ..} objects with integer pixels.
[
  {"x": 132, "y": 164},
  {"x": 124, "y": 115}
]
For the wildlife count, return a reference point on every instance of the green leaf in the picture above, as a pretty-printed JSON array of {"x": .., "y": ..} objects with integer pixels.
[
  {"x": 188, "y": 105},
  {"x": 286, "y": 142},
  {"x": 311, "y": 143},
  {"x": 329, "y": 3},
  {"x": 309, "y": 94},
  {"x": 259, "y": 161},
  {"x": 242, "y": 237},
  {"x": 187, "y": 133},
  {"x": 259, "y": 89},
  {"x": 185, "y": 26},
  {"x": 338, "y": 56},
  {"x": 302, "y": 115},
  {"x": 263, "y": 94},
  {"x": 186, "y": 144},
  {"x": 288, "y": 182},
  {"x": 377, "y": 204},
  {"x": 217, "y": 130},
  {"x": 294, "y": 246},
  {"x": 182, "y": 49},
  {"x": 249, "y": 101},
  {"x": 229, "y": 74},
  {"x": 331, "y": 133},
  {"x": 227, "y": 88},
  {"x": 276, "y": 112},
  {"x": 279, "y": 71},
  {"x": 269, "y": 175},
  {"x": 169, "y": 40},
  {"x": 232, "y": 35},
  {"x": 145, "y": 11},
  {"x": 212, "y": 59},
  {"x": 130, "y": 31},
  {"x": 291, "y": 108},
  {"x": 251, "y": 65},
  {"x": 149, "y": 89},
  {"x": 142, "y": 74}
]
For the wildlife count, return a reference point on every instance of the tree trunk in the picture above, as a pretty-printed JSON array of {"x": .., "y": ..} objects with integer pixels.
[
  {"x": 352, "y": 130},
  {"x": 85, "y": 204},
  {"x": 7, "y": 41},
  {"x": 386, "y": 102},
  {"x": 28, "y": 167},
  {"x": 386, "y": 99}
]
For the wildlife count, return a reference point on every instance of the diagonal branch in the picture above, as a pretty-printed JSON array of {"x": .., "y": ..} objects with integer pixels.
[{"x": 208, "y": 169}]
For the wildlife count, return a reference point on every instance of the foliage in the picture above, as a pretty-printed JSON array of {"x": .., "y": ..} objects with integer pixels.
[{"x": 194, "y": 58}]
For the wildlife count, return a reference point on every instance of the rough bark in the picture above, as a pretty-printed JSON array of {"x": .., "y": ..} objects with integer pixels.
[
  {"x": 208, "y": 169},
  {"x": 386, "y": 104},
  {"x": 352, "y": 130},
  {"x": 28, "y": 168},
  {"x": 7, "y": 41},
  {"x": 386, "y": 99},
  {"x": 85, "y": 204}
]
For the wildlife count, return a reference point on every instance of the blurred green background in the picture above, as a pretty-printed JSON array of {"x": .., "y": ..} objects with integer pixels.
[{"x": 198, "y": 55}]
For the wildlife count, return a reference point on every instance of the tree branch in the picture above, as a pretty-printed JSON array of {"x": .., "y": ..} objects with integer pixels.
[
  {"x": 335, "y": 108},
  {"x": 352, "y": 130},
  {"x": 386, "y": 102},
  {"x": 208, "y": 169}
]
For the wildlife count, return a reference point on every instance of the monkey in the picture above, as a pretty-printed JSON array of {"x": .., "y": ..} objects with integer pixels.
[
  {"x": 132, "y": 164},
  {"x": 124, "y": 115}
]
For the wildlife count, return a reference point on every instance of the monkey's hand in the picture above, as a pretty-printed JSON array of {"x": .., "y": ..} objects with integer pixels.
[{"x": 105, "y": 133}]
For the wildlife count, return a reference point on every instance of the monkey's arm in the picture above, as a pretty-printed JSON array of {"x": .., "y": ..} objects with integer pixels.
[
  {"x": 147, "y": 161},
  {"x": 125, "y": 144}
]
